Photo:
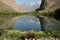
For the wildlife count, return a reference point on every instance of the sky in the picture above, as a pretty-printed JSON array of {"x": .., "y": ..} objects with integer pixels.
[
  {"x": 27, "y": 1},
  {"x": 29, "y": 5}
]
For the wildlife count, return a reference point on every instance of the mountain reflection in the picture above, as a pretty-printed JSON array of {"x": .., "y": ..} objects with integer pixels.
[{"x": 26, "y": 23}]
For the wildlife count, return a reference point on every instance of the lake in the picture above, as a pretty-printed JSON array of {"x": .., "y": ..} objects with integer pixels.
[{"x": 27, "y": 23}]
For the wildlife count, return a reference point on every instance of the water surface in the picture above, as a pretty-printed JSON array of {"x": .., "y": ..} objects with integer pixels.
[{"x": 27, "y": 23}]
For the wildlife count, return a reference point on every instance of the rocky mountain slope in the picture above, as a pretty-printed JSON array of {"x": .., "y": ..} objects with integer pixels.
[
  {"x": 49, "y": 4},
  {"x": 52, "y": 4},
  {"x": 9, "y": 5}
]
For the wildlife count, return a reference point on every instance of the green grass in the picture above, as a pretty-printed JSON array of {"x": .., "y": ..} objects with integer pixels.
[
  {"x": 6, "y": 14},
  {"x": 15, "y": 34}
]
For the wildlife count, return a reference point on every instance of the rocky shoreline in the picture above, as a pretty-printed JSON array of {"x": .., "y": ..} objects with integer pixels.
[{"x": 43, "y": 39}]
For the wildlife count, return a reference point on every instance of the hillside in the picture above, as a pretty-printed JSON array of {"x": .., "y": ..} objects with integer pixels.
[
  {"x": 9, "y": 5},
  {"x": 49, "y": 5},
  {"x": 52, "y": 4}
]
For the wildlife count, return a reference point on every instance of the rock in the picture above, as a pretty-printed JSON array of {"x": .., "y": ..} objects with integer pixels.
[{"x": 48, "y": 39}]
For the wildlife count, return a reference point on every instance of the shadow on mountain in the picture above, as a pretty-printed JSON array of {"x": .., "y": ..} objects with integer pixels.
[{"x": 57, "y": 14}]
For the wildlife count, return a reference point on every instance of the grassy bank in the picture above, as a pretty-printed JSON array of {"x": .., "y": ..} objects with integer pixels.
[
  {"x": 15, "y": 34},
  {"x": 37, "y": 13}
]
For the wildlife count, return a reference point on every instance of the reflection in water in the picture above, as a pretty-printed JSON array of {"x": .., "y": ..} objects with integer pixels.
[{"x": 26, "y": 23}]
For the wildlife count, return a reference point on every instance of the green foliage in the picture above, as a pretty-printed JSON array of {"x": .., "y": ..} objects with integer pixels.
[
  {"x": 1, "y": 21},
  {"x": 12, "y": 34},
  {"x": 7, "y": 14},
  {"x": 39, "y": 34},
  {"x": 43, "y": 34},
  {"x": 47, "y": 14},
  {"x": 2, "y": 38},
  {"x": 15, "y": 34},
  {"x": 56, "y": 33}
]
